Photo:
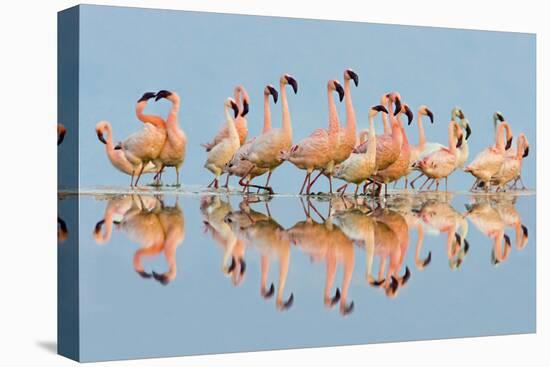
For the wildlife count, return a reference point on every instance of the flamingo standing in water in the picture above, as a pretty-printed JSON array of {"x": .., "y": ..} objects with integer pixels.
[
  {"x": 117, "y": 157},
  {"x": 388, "y": 146},
  {"x": 265, "y": 149},
  {"x": 360, "y": 166},
  {"x": 173, "y": 152},
  {"x": 239, "y": 167},
  {"x": 400, "y": 166},
  {"x": 316, "y": 151},
  {"x": 489, "y": 161},
  {"x": 144, "y": 146},
  {"x": 511, "y": 167},
  {"x": 441, "y": 163},
  {"x": 242, "y": 99},
  {"x": 222, "y": 152}
]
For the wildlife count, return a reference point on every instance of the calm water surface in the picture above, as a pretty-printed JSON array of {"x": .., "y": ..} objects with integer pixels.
[{"x": 170, "y": 274}]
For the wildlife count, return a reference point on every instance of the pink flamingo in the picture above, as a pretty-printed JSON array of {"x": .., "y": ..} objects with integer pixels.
[
  {"x": 242, "y": 99},
  {"x": 388, "y": 146},
  {"x": 511, "y": 167},
  {"x": 222, "y": 152},
  {"x": 360, "y": 166},
  {"x": 265, "y": 149},
  {"x": 441, "y": 163},
  {"x": 489, "y": 161},
  {"x": 173, "y": 152},
  {"x": 400, "y": 166},
  {"x": 239, "y": 167},
  {"x": 316, "y": 151},
  {"x": 144, "y": 146},
  {"x": 117, "y": 157}
]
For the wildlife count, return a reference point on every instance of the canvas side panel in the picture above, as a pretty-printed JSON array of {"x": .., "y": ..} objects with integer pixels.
[{"x": 67, "y": 181}]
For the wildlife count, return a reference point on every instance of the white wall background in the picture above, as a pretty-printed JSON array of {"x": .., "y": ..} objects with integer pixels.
[{"x": 28, "y": 181}]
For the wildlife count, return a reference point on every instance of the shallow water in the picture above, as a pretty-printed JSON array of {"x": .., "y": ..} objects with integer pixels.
[{"x": 190, "y": 272}]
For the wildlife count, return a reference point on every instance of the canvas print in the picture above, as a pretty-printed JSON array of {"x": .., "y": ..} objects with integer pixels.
[{"x": 234, "y": 183}]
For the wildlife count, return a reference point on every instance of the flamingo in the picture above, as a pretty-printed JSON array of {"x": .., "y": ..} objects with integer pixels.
[
  {"x": 61, "y": 131},
  {"x": 173, "y": 152},
  {"x": 388, "y": 146},
  {"x": 241, "y": 124},
  {"x": 117, "y": 157},
  {"x": 505, "y": 207},
  {"x": 316, "y": 152},
  {"x": 489, "y": 161},
  {"x": 239, "y": 167},
  {"x": 265, "y": 149},
  {"x": 222, "y": 152},
  {"x": 360, "y": 166},
  {"x": 441, "y": 163},
  {"x": 418, "y": 150},
  {"x": 400, "y": 166},
  {"x": 144, "y": 146},
  {"x": 511, "y": 167}
]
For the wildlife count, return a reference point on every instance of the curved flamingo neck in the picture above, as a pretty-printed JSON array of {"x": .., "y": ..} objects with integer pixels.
[
  {"x": 520, "y": 148},
  {"x": 386, "y": 119},
  {"x": 452, "y": 136},
  {"x": 351, "y": 122},
  {"x": 502, "y": 129},
  {"x": 421, "y": 133},
  {"x": 151, "y": 119},
  {"x": 287, "y": 124},
  {"x": 173, "y": 114},
  {"x": 109, "y": 144},
  {"x": 267, "y": 114},
  {"x": 333, "y": 124},
  {"x": 230, "y": 122}
]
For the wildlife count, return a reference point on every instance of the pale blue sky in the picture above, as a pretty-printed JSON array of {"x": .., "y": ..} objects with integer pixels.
[{"x": 127, "y": 51}]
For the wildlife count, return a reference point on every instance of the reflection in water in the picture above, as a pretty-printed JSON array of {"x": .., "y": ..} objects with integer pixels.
[
  {"x": 147, "y": 221},
  {"x": 383, "y": 230}
]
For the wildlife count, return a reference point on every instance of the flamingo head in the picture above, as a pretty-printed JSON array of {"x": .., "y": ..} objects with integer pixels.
[
  {"x": 146, "y": 96},
  {"x": 230, "y": 103},
  {"x": 407, "y": 111},
  {"x": 246, "y": 99},
  {"x": 425, "y": 111},
  {"x": 498, "y": 116},
  {"x": 395, "y": 97},
  {"x": 525, "y": 143},
  {"x": 270, "y": 90},
  {"x": 457, "y": 112},
  {"x": 61, "y": 131},
  {"x": 289, "y": 79},
  {"x": 336, "y": 86},
  {"x": 465, "y": 124},
  {"x": 100, "y": 129},
  {"x": 349, "y": 74},
  {"x": 375, "y": 109},
  {"x": 163, "y": 94}
]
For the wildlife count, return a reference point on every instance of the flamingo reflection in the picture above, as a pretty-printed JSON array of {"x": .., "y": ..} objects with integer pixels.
[
  {"x": 326, "y": 241},
  {"x": 268, "y": 237}
]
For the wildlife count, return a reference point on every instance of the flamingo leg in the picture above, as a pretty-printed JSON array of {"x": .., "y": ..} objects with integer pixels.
[
  {"x": 356, "y": 189},
  {"x": 304, "y": 184},
  {"x": 177, "y": 176},
  {"x": 132, "y": 179},
  {"x": 226, "y": 185},
  {"x": 474, "y": 185},
  {"x": 431, "y": 184},
  {"x": 140, "y": 172},
  {"x": 330, "y": 183},
  {"x": 424, "y": 184},
  {"x": 313, "y": 182},
  {"x": 414, "y": 180}
]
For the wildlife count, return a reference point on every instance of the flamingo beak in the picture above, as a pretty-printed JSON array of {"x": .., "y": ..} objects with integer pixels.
[
  {"x": 243, "y": 266},
  {"x": 459, "y": 142},
  {"x": 146, "y": 96},
  {"x": 409, "y": 114},
  {"x": 430, "y": 115},
  {"x": 99, "y": 136},
  {"x": 144, "y": 274},
  {"x": 293, "y": 83},
  {"x": 288, "y": 303},
  {"x": 468, "y": 131},
  {"x": 380, "y": 108},
  {"x": 526, "y": 151},
  {"x": 499, "y": 116},
  {"x": 235, "y": 109},
  {"x": 340, "y": 91},
  {"x": 61, "y": 136},
  {"x": 162, "y": 94},
  {"x": 269, "y": 293},
  {"x": 509, "y": 143},
  {"x": 274, "y": 93},
  {"x": 353, "y": 75},
  {"x": 460, "y": 114},
  {"x": 348, "y": 309},
  {"x": 245, "y": 108},
  {"x": 161, "y": 278},
  {"x": 334, "y": 300},
  {"x": 397, "y": 106},
  {"x": 98, "y": 226}
]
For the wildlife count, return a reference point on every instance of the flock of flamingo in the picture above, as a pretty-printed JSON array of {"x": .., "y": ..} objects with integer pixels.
[
  {"x": 364, "y": 158},
  {"x": 351, "y": 227}
]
